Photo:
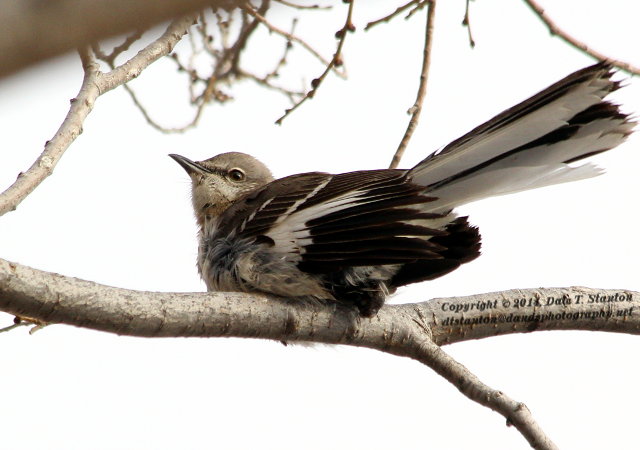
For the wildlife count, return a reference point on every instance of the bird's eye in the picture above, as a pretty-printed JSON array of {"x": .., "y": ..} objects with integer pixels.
[{"x": 236, "y": 175}]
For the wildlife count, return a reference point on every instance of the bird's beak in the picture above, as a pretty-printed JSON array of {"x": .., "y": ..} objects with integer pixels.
[{"x": 191, "y": 167}]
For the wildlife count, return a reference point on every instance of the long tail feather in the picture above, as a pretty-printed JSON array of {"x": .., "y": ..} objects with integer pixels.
[{"x": 530, "y": 145}]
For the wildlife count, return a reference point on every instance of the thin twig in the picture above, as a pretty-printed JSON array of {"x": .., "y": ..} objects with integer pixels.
[
  {"x": 388, "y": 17},
  {"x": 416, "y": 8},
  {"x": 226, "y": 53},
  {"x": 237, "y": 48},
  {"x": 150, "y": 54},
  {"x": 14, "y": 325},
  {"x": 249, "y": 9},
  {"x": 555, "y": 30},
  {"x": 226, "y": 62},
  {"x": 110, "y": 58},
  {"x": 292, "y": 95},
  {"x": 23, "y": 321},
  {"x": 283, "y": 59},
  {"x": 201, "y": 103},
  {"x": 296, "y": 6},
  {"x": 422, "y": 88},
  {"x": 335, "y": 61},
  {"x": 466, "y": 22},
  {"x": 151, "y": 121}
]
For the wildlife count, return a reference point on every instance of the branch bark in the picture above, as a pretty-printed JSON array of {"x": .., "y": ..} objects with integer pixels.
[
  {"x": 54, "y": 298},
  {"x": 411, "y": 330},
  {"x": 31, "y": 32}
]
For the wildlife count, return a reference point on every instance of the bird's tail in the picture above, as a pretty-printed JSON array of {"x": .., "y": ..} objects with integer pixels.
[{"x": 530, "y": 145}]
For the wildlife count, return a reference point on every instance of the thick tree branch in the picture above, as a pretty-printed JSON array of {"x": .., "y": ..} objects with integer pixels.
[
  {"x": 49, "y": 297},
  {"x": 54, "y": 298},
  {"x": 95, "y": 83},
  {"x": 31, "y": 31},
  {"x": 400, "y": 330},
  {"x": 456, "y": 319},
  {"x": 411, "y": 330}
]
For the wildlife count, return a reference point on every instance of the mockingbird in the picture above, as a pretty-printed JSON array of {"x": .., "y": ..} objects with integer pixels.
[{"x": 355, "y": 237}]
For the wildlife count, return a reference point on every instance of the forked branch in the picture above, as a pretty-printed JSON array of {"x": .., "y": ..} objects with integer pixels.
[
  {"x": 412, "y": 330},
  {"x": 95, "y": 83}
]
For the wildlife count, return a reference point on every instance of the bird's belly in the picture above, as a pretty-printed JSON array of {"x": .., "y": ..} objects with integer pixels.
[{"x": 242, "y": 265}]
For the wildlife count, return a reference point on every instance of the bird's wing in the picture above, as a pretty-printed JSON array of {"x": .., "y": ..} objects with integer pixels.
[
  {"x": 531, "y": 144},
  {"x": 326, "y": 223}
]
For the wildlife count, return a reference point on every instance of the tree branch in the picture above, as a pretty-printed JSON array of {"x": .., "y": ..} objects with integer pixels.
[
  {"x": 288, "y": 36},
  {"x": 31, "y": 32},
  {"x": 555, "y": 30},
  {"x": 410, "y": 330},
  {"x": 336, "y": 61},
  {"x": 422, "y": 88},
  {"x": 466, "y": 22},
  {"x": 70, "y": 129},
  {"x": 94, "y": 84},
  {"x": 390, "y": 16},
  {"x": 399, "y": 330},
  {"x": 516, "y": 413},
  {"x": 49, "y": 297}
]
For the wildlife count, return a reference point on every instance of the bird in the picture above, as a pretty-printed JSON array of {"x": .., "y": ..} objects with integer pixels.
[{"x": 354, "y": 238}]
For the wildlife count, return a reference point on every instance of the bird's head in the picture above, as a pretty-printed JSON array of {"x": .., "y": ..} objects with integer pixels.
[{"x": 218, "y": 182}]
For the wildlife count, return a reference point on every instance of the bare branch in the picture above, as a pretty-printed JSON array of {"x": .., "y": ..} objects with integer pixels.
[
  {"x": 51, "y": 298},
  {"x": 70, "y": 129},
  {"x": 516, "y": 413},
  {"x": 150, "y": 54},
  {"x": 466, "y": 22},
  {"x": 225, "y": 67},
  {"x": 94, "y": 84},
  {"x": 153, "y": 123},
  {"x": 335, "y": 62},
  {"x": 388, "y": 17},
  {"x": 555, "y": 30},
  {"x": 116, "y": 51},
  {"x": 479, "y": 316},
  {"x": 17, "y": 322},
  {"x": 422, "y": 88},
  {"x": 31, "y": 33},
  {"x": 265, "y": 81},
  {"x": 296, "y": 6},
  {"x": 290, "y": 37},
  {"x": 418, "y": 6},
  {"x": 411, "y": 330}
]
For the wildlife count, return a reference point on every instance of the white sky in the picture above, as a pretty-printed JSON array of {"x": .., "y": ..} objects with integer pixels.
[{"x": 117, "y": 211}]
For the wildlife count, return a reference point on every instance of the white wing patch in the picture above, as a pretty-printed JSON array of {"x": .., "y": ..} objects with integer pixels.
[
  {"x": 253, "y": 214},
  {"x": 290, "y": 234}
]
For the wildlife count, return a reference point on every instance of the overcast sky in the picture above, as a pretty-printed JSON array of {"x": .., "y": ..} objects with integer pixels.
[{"x": 117, "y": 211}]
